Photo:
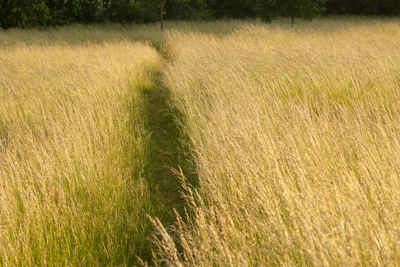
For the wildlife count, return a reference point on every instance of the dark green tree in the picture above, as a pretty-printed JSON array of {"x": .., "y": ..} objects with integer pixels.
[
  {"x": 338, "y": 7},
  {"x": 91, "y": 11},
  {"x": 187, "y": 10},
  {"x": 63, "y": 11},
  {"x": 265, "y": 9},
  {"x": 304, "y": 9},
  {"x": 233, "y": 8},
  {"x": 124, "y": 11},
  {"x": 389, "y": 7},
  {"x": 181, "y": 9},
  {"x": 23, "y": 13},
  {"x": 364, "y": 7}
]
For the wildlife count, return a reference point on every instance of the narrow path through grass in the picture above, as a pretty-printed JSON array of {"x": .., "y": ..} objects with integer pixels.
[
  {"x": 167, "y": 152},
  {"x": 163, "y": 154}
]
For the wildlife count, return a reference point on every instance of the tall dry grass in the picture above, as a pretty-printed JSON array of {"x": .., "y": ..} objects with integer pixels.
[
  {"x": 79, "y": 34},
  {"x": 72, "y": 150},
  {"x": 296, "y": 138},
  {"x": 84, "y": 152}
]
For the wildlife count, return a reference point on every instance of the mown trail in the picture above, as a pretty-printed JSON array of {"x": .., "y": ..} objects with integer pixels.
[
  {"x": 167, "y": 153},
  {"x": 163, "y": 153}
]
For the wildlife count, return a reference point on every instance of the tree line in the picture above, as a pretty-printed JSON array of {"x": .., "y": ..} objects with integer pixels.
[{"x": 33, "y": 13}]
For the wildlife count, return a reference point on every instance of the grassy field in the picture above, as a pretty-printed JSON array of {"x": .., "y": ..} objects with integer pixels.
[
  {"x": 296, "y": 141},
  {"x": 72, "y": 149},
  {"x": 288, "y": 137}
]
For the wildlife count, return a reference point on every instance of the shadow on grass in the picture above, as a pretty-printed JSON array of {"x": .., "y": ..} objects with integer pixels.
[{"x": 167, "y": 152}]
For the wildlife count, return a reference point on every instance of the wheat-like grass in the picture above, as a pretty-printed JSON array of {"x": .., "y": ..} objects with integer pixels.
[
  {"x": 72, "y": 150},
  {"x": 294, "y": 134},
  {"x": 296, "y": 139}
]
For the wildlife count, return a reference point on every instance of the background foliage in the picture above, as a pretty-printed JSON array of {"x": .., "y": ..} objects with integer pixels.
[{"x": 33, "y": 13}]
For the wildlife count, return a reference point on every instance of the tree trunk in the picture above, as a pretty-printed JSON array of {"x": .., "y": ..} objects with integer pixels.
[
  {"x": 292, "y": 20},
  {"x": 162, "y": 15}
]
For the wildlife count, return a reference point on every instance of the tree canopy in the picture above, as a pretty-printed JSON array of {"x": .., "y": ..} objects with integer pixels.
[
  {"x": 305, "y": 9},
  {"x": 33, "y": 13}
]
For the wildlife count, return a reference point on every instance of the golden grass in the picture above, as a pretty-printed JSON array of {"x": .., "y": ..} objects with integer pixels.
[
  {"x": 294, "y": 132},
  {"x": 296, "y": 139},
  {"x": 83, "y": 148},
  {"x": 78, "y": 34},
  {"x": 72, "y": 150}
]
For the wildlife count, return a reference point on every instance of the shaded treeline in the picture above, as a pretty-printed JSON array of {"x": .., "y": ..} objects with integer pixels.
[{"x": 33, "y": 13}]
